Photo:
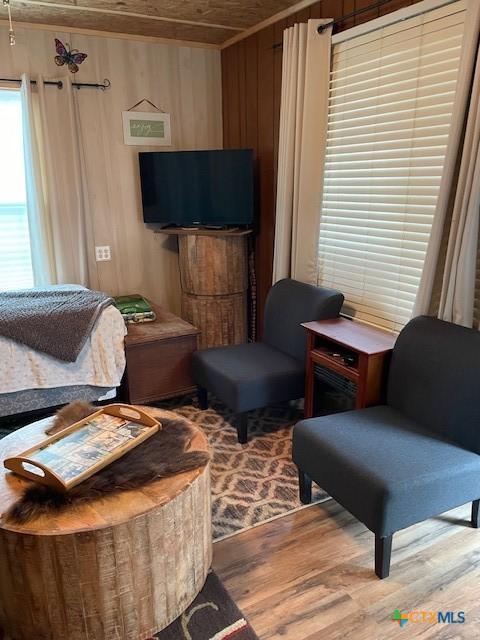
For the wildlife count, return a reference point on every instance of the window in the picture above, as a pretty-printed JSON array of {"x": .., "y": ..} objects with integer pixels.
[
  {"x": 392, "y": 93},
  {"x": 15, "y": 258}
]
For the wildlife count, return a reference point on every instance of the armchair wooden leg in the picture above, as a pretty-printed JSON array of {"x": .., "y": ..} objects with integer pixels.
[
  {"x": 305, "y": 487},
  {"x": 241, "y": 421},
  {"x": 476, "y": 514},
  {"x": 383, "y": 553},
  {"x": 202, "y": 395}
]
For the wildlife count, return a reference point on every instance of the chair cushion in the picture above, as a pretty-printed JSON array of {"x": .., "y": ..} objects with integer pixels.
[
  {"x": 249, "y": 376},
  {"x": 385, "y": 469}
]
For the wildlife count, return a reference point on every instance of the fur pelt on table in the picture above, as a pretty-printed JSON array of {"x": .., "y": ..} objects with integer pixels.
[{"x": 162, "y": 455}]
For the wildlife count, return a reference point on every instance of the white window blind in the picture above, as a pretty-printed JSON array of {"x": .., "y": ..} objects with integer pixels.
[
  {"x": 15, "y": 257},
  {"x": 391, "y": 98}
]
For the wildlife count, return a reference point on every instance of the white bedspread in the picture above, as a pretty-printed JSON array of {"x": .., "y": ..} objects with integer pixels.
[{"x": 101, "y": 362}]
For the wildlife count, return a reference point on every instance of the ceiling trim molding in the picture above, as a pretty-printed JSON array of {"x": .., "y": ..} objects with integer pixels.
[
  {"x": 128, "y": 14},
  {"x": 303, "y": 4},
  {"x": 111, "y": 34}
]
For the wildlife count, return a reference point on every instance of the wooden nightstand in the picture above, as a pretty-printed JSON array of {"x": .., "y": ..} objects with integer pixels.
[
  {"x": 159, "y": 356},
  {"x": 351, "y": 351}
]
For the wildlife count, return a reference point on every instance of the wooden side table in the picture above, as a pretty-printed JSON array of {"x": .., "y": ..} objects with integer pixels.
[
  {"x": 120, "y": 567},
  {"x": 159, "y": 356},
  {"x": 351, "y": 350}
]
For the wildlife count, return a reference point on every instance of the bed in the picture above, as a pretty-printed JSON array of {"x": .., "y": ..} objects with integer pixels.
[{"x": 31, "y": 380}]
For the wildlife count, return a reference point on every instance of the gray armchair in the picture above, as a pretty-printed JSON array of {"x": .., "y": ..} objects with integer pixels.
[
  {"x": 254, "y": 375},
  {"x": 413, "y": 458}
]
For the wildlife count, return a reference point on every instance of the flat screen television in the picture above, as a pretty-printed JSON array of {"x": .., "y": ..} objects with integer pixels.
[{"x": 204, "y": 188}]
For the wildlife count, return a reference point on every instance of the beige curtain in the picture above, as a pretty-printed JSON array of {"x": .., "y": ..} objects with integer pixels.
[
  {"x": 303, "y": 126},
  {"x": 53, "y": 159},
  {"x": 447, "y": 287}
]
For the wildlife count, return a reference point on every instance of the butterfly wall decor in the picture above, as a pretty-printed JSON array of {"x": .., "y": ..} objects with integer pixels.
[{"x": 71, "y": 57}]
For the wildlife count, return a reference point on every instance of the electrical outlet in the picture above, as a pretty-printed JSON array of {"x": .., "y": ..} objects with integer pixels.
[{"x": 102, "y": 254}]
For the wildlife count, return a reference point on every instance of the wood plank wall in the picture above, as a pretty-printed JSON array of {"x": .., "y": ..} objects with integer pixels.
[{"x": 251, "y": 86}]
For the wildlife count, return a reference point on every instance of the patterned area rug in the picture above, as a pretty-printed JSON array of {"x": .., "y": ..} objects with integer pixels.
[
  {"x": 213, "y": 615},
  {"x": 253, "y": 482}
]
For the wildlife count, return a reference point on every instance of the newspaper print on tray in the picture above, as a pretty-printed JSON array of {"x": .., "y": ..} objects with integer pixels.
[{"x": 79, "y": 451}]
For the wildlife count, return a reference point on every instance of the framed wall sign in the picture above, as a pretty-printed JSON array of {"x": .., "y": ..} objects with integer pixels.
[{"x": 144, "y": 128}]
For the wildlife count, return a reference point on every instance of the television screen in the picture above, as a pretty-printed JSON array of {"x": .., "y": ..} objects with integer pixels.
[{"x": 186, "y": 188}]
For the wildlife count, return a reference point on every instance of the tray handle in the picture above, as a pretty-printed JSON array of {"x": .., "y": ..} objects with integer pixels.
[
  {"x": 132, "y": 413},
  {"x": 45, "y": 476}
]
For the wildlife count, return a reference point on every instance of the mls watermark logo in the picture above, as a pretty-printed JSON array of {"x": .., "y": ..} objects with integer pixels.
[{"x": 428, "y": 617}]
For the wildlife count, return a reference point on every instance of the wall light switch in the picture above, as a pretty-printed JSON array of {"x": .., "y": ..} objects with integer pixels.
[{"x": 102, "y": 253}]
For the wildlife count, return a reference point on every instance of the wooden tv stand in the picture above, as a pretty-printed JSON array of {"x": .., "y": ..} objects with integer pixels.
[{"x": 214, "y": 277}]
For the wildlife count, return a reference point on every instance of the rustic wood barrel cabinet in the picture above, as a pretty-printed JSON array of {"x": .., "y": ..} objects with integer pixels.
[{"x": 214, "y": 277}]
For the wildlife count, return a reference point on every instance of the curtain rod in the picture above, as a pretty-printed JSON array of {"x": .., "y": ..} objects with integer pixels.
[
  {"x": 347, "y": 16},
  {"x": 59, "y": 84}
]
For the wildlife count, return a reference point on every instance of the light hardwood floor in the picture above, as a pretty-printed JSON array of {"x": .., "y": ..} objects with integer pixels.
[{"x": 309, "y": 576}]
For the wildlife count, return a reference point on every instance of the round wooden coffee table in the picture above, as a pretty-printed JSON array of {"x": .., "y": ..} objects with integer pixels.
[{"x": 119, "y": 568}]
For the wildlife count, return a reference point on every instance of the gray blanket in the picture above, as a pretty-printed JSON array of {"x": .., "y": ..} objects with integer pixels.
[{"x": 55, "y": 320}]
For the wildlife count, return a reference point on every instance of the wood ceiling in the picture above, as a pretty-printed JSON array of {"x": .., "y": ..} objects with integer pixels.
[{"x": 205, "y": 21}]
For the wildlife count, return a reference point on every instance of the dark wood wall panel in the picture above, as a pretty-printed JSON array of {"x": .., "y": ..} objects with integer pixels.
[{"x": 251, "y": 85}]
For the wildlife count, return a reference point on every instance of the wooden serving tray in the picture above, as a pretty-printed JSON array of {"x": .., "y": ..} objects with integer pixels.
[{"x": 77, "y": 452}]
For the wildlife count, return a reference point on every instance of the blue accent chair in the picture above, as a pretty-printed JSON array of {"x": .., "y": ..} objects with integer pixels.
[
  {"x": 254, "y": 375},
  {"x": 416, "y": 456}
]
